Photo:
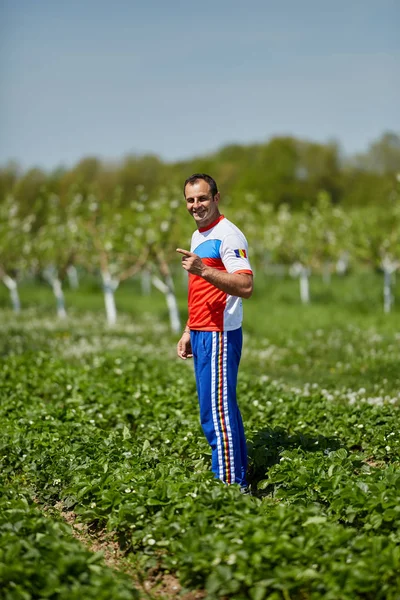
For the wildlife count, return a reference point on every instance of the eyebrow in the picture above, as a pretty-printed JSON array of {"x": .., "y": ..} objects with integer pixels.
[{"x": 200, "y": 197}]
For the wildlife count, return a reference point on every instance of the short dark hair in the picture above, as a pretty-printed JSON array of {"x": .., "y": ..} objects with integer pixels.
[{"x": 196, "y": 176}]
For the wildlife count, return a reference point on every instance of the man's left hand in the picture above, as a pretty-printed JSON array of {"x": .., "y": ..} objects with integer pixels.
[{"x": 191, "y": 262}]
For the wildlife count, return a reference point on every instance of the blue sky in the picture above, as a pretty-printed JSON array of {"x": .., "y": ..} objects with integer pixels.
[{"x": 179, "y": 79}]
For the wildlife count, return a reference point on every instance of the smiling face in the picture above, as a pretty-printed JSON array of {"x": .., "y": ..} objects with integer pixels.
[{"x": 201, "y": 204}]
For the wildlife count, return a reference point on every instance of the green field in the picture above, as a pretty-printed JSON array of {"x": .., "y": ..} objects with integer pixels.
[{"x": 101, "y": 437}]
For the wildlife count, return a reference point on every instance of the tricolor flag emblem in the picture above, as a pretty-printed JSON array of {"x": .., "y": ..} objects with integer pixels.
[{"x": 241, "y": 253}]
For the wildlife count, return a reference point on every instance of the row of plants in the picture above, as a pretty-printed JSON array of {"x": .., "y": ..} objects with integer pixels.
[
  {"x": 115, "y": 438},
  {"x": 39, "y": 558}
]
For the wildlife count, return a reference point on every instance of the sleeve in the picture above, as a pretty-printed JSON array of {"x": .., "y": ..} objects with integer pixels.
[
  {"x": 234, "y": 254},
  {"x": 192, "y": 244}
]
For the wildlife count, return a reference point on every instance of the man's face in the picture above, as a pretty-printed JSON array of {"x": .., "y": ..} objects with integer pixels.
[{"x": 200, "y": 203}]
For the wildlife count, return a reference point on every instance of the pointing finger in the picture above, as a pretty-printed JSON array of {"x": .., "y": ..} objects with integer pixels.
[{"x": 184, "y": 252}]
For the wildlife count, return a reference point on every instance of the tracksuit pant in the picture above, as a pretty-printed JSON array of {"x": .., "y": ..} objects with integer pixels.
[{"x": 216, "y": 362}]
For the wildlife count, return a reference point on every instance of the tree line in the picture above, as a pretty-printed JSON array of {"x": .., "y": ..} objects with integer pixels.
[{"x": 284, "y": 170}]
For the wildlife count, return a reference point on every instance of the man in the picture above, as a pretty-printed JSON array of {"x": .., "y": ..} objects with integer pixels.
[{"x": 220, "y": 275}]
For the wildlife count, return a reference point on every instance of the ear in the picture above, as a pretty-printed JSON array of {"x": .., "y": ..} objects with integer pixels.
[{"x": 217, "y": 197}]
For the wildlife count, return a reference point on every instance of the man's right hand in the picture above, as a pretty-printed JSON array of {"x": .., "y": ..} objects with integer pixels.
[{"x": 184, "y": 347}]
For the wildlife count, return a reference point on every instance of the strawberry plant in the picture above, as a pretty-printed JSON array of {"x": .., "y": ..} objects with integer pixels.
[{"x": 105, "y": 424}]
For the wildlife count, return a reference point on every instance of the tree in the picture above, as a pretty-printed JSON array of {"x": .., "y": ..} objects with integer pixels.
[
  {"x": 382, "y": 156},
  {"x": 108, "y": 242},
  {"x": 15, "y": 245},
  {"x": 56, "y": 247},
  {"x": 308, "y": 240},
  {"x": 376, "y": 234}
]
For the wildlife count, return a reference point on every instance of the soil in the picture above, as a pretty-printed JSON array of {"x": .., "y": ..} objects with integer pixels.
[{"x": 156, "y": 584}]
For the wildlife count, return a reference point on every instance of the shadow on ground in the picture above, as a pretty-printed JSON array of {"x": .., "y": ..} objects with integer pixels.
[{"x": 265, "y": 448}]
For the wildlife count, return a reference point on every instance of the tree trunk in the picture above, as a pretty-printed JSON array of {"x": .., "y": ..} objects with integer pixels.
[
  {"x": 387, "y": 290},
  {"x": 57, "y": 291},
  {"x": 145, "y": 280},
  {"x": 172, "y": 306},
  {"x": 12, "y": 286},
  {"x": 73, "y": 277},
  {"x": 304, "y": 286},
  {"x": 342, "y": 264},
  {"x": 167, "y": 288},
  {"x": 109, "y": 287},
  {"x": 389, "y": 267},
  {"x": 185, "y": 278}
]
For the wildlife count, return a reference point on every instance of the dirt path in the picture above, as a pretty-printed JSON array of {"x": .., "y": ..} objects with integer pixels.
[{"x": 154, "y": 585}]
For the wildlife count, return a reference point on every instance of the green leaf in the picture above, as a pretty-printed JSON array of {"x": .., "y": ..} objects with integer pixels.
[
  {"x": 126, "y": 434},
  {"x": 263, "y": 484},
  {"x": 376, "y": 521},
  {"x": 317, "y": 520},
  {"x": 257, "y": 592},
  {"x": 341, "y": 453}
]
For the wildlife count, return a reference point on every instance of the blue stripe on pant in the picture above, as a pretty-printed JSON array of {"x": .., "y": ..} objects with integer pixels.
[{"x": 216, "y": 362}]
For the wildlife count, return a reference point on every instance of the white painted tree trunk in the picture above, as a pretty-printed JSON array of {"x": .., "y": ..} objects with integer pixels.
[
  {"x": 342, "y": 264},
  {"x": 109, "y": 287},
  {"x": 173, "y": 306},
  {"x": 389, "y": 267},
  {"x": 145, "y": 280},
  {"x": 167, "y": 288},
  {"x": 12, "y": 286},
  {"x": 304, "y": 286},
  {"x": 73, "y": 279},
  {"x": 57, "y": 291},
  {"x": 185, "y": 278},
  {"x": 387, "y": 291}
]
